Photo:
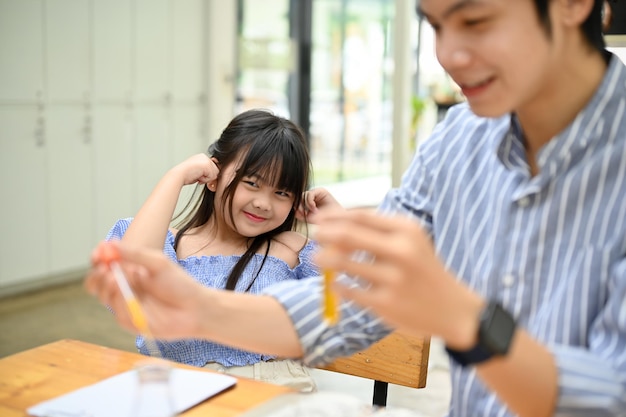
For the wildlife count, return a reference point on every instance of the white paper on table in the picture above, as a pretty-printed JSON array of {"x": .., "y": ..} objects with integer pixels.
[{"x": 115, "y": 396}]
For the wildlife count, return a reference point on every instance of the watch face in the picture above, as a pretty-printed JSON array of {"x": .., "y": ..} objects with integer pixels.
[{"x": 497, "y": 329}]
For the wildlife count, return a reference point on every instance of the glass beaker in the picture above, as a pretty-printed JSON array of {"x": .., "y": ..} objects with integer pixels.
[{"x": 153, "y": 396}]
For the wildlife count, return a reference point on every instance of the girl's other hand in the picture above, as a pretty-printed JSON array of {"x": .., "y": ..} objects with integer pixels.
[{"x": 313, "y": 201}]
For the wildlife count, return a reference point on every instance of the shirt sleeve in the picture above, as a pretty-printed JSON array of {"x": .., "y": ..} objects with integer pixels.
[
  {"x": 592, "y": 380},
  {"x": 416, "y": 195},
  {"x": 120, "y": 227},
  {"x": 306, "y": 268},
  {"x": 356, "y": 329}
]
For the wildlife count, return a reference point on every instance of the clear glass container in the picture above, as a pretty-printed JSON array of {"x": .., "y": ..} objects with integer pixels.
[{"x": 153, "y": 396}]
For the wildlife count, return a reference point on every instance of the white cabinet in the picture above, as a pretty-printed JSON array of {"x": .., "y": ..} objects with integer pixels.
[
  {"x": 152, "y": 120},
  {"x": 153, "y": 48},
  {"x": 170, "y": 77},
  {"x": 70, "y": 202},
  {"x": 98, "y": 99},
  {"x": 187, "y": 53},
  {"x": 67, "y": 41},
  {"x": 68, "y": 132},
  {"x": 188, "y": 134},
  {"x": 23, "y": 169},
  {"x": 21, "y": 49},
  {"x": 45, "y": 149},
  {"x": 23, "y": 158},
  {"x": 112, "y": 50},
  {"x": 152, "y": 149},
  {"x": 113, "y": 167}
]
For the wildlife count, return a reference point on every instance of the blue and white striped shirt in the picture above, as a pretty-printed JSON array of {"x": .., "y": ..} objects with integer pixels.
[{"x": 551, "y": 247}]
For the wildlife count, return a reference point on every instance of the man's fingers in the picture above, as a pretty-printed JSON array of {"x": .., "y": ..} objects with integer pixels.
[
  {"x": 93, "y": 281},
  {"x": 375, "y": 272},
  {"x": 348, "y": 237},
  {"x": 369, "y": 218},
  {"x": 378, "y": 295}
]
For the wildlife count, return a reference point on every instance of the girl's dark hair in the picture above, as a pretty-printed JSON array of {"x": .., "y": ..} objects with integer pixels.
[
  {"x": 592, "y": 27},
  {"x": 265, "y": 145}
]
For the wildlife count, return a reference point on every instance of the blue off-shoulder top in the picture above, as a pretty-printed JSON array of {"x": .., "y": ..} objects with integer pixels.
[{"x": 212, "y": 271}]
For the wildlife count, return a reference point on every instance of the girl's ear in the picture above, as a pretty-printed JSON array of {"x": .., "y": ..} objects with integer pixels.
[{"x": 212, "y": 185}]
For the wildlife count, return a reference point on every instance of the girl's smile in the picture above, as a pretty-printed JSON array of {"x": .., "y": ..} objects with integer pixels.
[{"x": 254, "y": 218}]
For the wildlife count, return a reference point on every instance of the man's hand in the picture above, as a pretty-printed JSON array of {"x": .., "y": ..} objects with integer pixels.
[
  {"x": 178, "y": 307},
  {"x": 409, "y": 286},
  {"x": 168, "y": 296}
]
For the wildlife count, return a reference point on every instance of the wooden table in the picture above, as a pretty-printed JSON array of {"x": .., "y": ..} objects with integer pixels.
[{"x": 42, "y": 373}]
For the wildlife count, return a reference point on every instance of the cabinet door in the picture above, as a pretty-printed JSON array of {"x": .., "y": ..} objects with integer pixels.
[
  {"x": 189, "y": 82},
  {"x": 188, "y": 131},
  {"x": 189, "y": 138},
  {"x": 24, "y": 243},
  {"x": 152, "y": 146},
  {"x": 21, "y": 49},
  {"x": 188, "y": 49},
  {"x": 71, "y": 192},
  {"x": 113, "y": 166},
  {"x": 112, "y": 50},
  {"x": 67, "y": 50},
  {"x": 153, "y": 66},
  {"x": 153, "y": 87},
  {"x": 70, "y": 214}
]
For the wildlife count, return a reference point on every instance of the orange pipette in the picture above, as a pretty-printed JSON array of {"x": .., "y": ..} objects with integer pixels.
[
  {"x": 110, "y": 255},
  {"x": 331, "y": 313}
]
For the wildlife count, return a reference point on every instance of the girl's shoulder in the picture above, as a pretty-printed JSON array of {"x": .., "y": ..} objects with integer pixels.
[
  {"x": 293, "y": 241},
  {"x": 287, "y": 246}
]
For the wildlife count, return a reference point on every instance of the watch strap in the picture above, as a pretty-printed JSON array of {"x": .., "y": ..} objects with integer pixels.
[
  {"x": 475, "y": 355},
  {"x": 496, "y": 329}
]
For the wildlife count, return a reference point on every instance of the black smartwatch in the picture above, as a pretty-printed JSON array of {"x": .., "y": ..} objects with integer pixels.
[{"x": 495, "y": 333}]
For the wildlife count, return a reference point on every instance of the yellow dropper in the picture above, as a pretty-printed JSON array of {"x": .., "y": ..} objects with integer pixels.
[
  {"x": 331, "y": 312},
  {"x": 111, "y": 256}
]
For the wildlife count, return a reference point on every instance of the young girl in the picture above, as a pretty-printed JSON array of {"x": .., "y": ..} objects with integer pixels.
[{"x": 238, "y": 235}]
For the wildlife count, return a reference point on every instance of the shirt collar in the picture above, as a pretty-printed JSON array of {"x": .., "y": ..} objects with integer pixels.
[{"x": 568, "y": 146}]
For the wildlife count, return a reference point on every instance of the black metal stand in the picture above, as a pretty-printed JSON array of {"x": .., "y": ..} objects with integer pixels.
[{"x": 380, "y": 394}]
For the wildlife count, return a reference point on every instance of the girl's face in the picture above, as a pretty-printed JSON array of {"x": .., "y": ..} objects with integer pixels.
[
  {"x": 258, "y": 207},
  {"x": 497, "y": 51}
]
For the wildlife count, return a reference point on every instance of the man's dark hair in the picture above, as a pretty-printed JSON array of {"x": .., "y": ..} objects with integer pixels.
[{"x": 592, "y": 27}]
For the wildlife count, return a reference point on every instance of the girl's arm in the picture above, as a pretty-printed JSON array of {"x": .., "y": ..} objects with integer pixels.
[
  {"x": 150, "y": 225},
  {"x": 178, "y": 307}
]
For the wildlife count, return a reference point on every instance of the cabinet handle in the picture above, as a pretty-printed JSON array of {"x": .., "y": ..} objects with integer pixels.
[
  {"x": 40, "y": 125},
  {"x": 87, "y": 131},
  {"x": 40, "y": 132}
]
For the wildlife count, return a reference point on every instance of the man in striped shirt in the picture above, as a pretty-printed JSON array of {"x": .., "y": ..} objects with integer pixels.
[{"x": 511, "y": 245}]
